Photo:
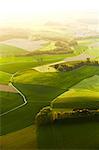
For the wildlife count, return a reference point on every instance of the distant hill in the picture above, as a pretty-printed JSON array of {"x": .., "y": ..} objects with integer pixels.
[
  {"x": 6, "y": 51},
  {"x": 8, "y": 33},
  {"x": 52, "y": 23}
]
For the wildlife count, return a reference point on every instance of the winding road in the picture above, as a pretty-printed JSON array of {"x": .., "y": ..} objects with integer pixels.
[
  {"x": 21, "y": 94},
  {"x": 75, "y": 58}
]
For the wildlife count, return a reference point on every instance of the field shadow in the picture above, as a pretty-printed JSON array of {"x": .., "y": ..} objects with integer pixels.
[{"x": 68, "y": 136}]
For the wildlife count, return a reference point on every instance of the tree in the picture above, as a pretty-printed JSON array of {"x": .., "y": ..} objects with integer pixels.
[
  {"x": 88, "y": 59},
  {"x": 44, "y": 116},
  {"x": 40, "y": 61},
  {"x": 73, "y": 43},
  {"x": 96, "y": 61}
]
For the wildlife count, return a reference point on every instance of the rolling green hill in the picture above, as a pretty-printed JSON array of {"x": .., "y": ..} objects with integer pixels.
[
  {"x": 78, "y": 136},
  {"x": 9, "y": 100},
  {"x": 40, "y": 89},
  {"x": 14, "y": 64},
  {"x": 19, "y": 140},
  {"x": 37, "y": 97},
  {"x": 4, "y": 77},
  {"x": 85, "y": 94},
  {"x": 88, "y": 84},
  {"x": 6, "y": 51},
  {"x": 56, "y": 79},
  {"x": 92, "y": 45},
  {"x": 61, "y": 90}
]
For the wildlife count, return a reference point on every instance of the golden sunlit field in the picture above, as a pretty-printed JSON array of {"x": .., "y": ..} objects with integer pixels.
[{"x": 49, "y": 74}]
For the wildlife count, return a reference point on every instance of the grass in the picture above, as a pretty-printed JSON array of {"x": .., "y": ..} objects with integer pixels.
[
  {"x": 49, "y": 86},
  {"x": 14, "y": 64},
  {"x": 40, "y": 89},
  {"x": 57, "y": 79},
  {"x": 6, "y": 51},
  {"x": 77, "y": 102},
  {"x": 34, "y": 58},
  {"x": 14, "y": 67},
  {"x": 9, "y": 100},
  {"x": 79, "y": 49},
  {"x": 25, "y": 116},
  {"x": 93, "y": 51},
  {"x": 89, "y": 84},
  {"x": 19, "y": 140},
  {"x": 69, "y": 136},
  {"x": 88, "y": 41},
  {"x": 4, "y": 77},
  {"x": 48, "y": 47},
  {"x": 85, "y": 94},
  {"x": 92, "y": 46}
]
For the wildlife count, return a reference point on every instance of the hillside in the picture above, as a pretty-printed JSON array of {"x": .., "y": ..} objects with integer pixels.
[
  {"x": 4, "y": 77},
  {"x": 56, "y": 79},
  {"x": 85, "y": 94},
  {"x": 6, "y": 50}
]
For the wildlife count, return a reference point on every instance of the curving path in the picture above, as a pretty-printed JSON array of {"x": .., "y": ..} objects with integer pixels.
[
  {"x": 75, "y": 58},
  {"x": 21, "y": 94}
]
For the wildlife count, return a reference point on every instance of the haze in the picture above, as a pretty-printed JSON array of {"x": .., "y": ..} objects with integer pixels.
[{"x": 29, "y": 12}]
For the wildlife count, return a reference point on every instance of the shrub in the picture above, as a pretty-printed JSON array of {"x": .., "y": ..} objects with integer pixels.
[{"x": 44, "y": 116}]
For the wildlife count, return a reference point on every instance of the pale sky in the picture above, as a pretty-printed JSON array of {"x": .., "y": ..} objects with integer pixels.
[{"x": 21, "y": 12}]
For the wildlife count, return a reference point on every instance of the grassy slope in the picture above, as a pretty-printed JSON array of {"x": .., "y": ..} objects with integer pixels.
[
  {"x": 38, "y": 97},
  {"x": 56, "y": 137},
  {"x": 40, "y": 92},
  {"x": 93, "y": 46},
  {"x": 70, "y": 136},
  {"x": 34, "y": 58},
  {"x": 9, "y": 100},
  {"x": 14, "y": 64},
  {"x": 89, "y": 84},
  {"x": 48, "y": 47},
  {"x": 85, "y": 94},
  {"x": 4, "y": 77},
  {"x": 88, "y": 41},
  {"x": 6, "y": 50},
  {"x": 93, "y": 51},
  {"x": 57, "y": 79},
  {"x": 22, "y": 139}
]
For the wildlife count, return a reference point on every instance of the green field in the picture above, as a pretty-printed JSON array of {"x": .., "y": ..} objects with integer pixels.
[
  {"x": 61, "y": 90},
  {"x": 25, "y": 116},
  {"x": 85, "y": 94},
  {"x": 14, "y": 64},
  {"x": 69, "y": 136},
  {"x": 9, "y": 101},
  {"x": 57, "y": 79},
  {"x": 89, "y": 84},
  {"x": 92, "y": 45},
  {"x": 19, "y": 140},
  {"x": 4, "y": 77},
  {"x": 6, "y": 50},
  {"x": 48, "y": 47},
  {"x": 93, "y": 52},
  {"x": 49, "y": 86}
]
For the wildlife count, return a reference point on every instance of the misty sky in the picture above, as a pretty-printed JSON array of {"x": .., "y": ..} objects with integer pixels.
[{"x": 29, "y": 12}]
